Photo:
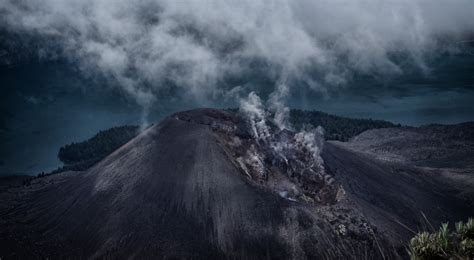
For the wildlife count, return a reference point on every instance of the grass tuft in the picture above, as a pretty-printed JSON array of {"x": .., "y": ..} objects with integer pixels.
[{"x": 445, "y": 244}]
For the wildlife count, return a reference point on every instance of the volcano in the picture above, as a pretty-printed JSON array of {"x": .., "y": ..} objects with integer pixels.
[{"x": 200, "y": 184}]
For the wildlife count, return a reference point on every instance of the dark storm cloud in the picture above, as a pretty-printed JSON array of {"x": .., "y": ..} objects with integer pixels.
[{"x": 193, "y": 46}]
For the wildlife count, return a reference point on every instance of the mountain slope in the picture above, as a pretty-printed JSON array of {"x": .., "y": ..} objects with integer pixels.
[
  {"x": 439, "y": 146},
  {"x": 178, "y": 190},
  {"x": 397, "y": 198}
]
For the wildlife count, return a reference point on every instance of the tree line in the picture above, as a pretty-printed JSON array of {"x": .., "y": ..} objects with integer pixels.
[
  {"x": 336, "y": 127},
  {"x": 82, "y": 155}
]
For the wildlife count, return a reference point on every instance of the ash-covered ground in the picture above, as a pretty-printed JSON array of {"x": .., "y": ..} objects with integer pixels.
[{"x": 208, "y": 183}]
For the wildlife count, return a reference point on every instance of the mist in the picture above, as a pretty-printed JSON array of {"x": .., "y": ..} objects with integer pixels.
[{"x": 198, "y": 48}]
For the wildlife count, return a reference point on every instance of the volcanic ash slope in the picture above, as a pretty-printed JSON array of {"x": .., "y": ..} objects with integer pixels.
[{"x": 200, "y": 185}]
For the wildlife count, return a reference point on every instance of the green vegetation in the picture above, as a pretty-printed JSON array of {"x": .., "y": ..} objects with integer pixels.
[
  {"x": 336, "y": 127},
  {"x": 445, "y": 244},
  {"x": 80, "y": 156}
]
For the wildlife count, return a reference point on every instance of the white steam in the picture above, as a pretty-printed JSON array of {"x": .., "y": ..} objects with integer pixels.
[
  {"x": 312, "y": 139},
  {"x": 276, "y": 104},
  {"x": 254, "y": 110},
  {"x": 309, "y": 140}
]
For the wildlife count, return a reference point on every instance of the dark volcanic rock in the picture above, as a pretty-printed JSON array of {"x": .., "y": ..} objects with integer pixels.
[{"x": 187, "y": 188}]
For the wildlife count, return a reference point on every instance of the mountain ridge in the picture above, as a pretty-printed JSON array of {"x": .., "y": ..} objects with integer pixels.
[{"x": 176, "y": 190}]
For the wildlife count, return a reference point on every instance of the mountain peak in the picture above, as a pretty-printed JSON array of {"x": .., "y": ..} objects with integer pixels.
[{"x": 200, "y": 184}]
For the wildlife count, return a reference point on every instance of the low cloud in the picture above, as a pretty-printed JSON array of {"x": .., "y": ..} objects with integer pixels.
[{"x": 194, "y": 47}]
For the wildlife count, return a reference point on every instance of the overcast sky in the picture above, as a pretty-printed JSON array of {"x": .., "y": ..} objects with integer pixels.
[{"x": 70, "y": 68}]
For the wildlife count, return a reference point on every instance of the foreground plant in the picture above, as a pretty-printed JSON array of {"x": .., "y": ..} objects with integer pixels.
[{"x": 445, "y": 244}]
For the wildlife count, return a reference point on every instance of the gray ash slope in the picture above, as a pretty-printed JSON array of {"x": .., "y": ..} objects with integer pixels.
[
  {"x": 198, "y": 185},
  {"x": 438, "y": 146}
]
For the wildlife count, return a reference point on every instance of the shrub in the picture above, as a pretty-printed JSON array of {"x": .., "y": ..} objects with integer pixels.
[{"x": 445, "y": 244}]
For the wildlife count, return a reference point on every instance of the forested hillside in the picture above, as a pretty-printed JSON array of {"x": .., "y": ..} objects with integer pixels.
[
  {"x": 336, "y": 127},
  {"x": 82, "y": 155}
]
